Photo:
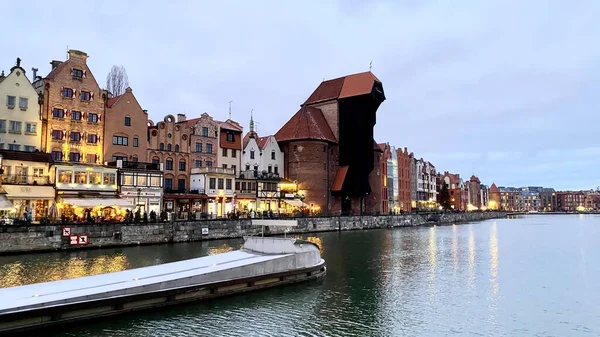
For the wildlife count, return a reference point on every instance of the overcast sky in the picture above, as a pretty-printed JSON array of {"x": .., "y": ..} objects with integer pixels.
[{"x": 508, "y": 90}]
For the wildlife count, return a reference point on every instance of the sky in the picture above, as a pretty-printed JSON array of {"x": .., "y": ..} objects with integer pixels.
[{"x": 507, "y": 90}]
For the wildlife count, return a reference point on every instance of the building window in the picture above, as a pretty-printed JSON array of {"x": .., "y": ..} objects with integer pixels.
[
  {"x": 91, "y": 158},
  {"x": 75, "y": 136},
  {"x": 136, "y": 142},
  {"x": 224, "y": 152},
  {"x": 230, "y": 137},
  {"x": 182, "y": 165},
  {"x": 208, "y": 148},
  {"x": 30, "y": 128},
  {"x": 198, "y": 163},
  {"x": 92, "y": 118},
  {"x": 169, "y": 164},
  {"x": 155, "y": 161},
  {"x": 270, "y": 169},
  {"x": 155, "y": 181},
  {"x": 228, "y": 184},
  {"x": 57, "y": 134},
  {"x": 2, "y": 125},
  {"x": 198, "y": 147},
  {"x": 247, "y": 167},
  {"x": 92, "y": 139},
  {"x": 255, "y": 168},
  {"x": 212, "y": 183},
  {"x": 58, "y": 113},
  {"x": 67, "y": 92},
  {"x": 135, "y": 159},
  {"x": 273, "y": 155},
  {"x": 220, "y": 183},
  {"x": 276, "y": 170},
  {"x": 23, "y": 103},
  {"x": 29, "y": 148},
  {"x": 85, "y": 95},
  {"x": 128, "y": 121},
  {"x": 10, "y": 101},
  {"x": 181, "y": 184},
  {"x": 208, "y": 163},
  {"x": 224, "y": 166},
  {"x": 15, "y": 127},
  {"x": 169, "y": 183},
  {"x": 233, "y": 153},
  {"x": 176, "y": 147},
  {"x": 161, "y": 146},
  {"x": 57, "y": 155},
  {"x": 120, "y": 140},
  {"x": 14, "y": 147},
  {"x": 77, "y": 73},
  {"x": 75, "y": 115},
  {"x": 74, "y": 157},
  {"x": 234, "y": 168},
  {"x": 65, "y": 177},
  {"x": 251, "y": 154},
  {"x": 204, "y": 131},
  {"x": 169, "y": 147}
]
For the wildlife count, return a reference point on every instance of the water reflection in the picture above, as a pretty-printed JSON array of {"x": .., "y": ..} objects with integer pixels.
[
  {"x": 494, "y": 258},
  {"x": 471, "y": 258},
  {"x": 433, "y": 251},
  {"x": 455, "y": 248}
]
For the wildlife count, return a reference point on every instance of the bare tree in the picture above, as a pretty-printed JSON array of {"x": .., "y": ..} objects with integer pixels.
[{"x": 117, "y": 81}]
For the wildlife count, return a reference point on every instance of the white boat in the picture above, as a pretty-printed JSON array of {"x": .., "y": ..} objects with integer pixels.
[{"x": 261, "y": 263}]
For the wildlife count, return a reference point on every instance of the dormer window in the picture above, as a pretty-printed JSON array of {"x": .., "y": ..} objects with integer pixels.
[
  {"x": 230, "y": 137},
  {"x": 77, "y": 73}
]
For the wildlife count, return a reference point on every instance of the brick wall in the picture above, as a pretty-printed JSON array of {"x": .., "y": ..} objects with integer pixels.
[
  {"x": 53, "y": 98},
  {"x": 177, "y": 135},
  {"x": 126, "y": 106},
  {"x": 373, "y": 200},
  {"x": 404, "y": 182},
  {"x": 330, "y": 111}
]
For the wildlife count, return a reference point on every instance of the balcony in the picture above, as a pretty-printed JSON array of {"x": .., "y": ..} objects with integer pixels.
[
  {"x": 261, "y": 175},
  {"x": 25, "y": 180},
  {"x": 214, "y": 170}
]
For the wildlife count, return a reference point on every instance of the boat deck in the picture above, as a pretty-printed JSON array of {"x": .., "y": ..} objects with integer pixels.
[{"x": 20, "y": 298}]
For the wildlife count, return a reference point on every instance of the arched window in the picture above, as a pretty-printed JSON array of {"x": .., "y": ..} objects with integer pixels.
[
  {"x": 273, "y": 155},
  {"x": 155, "y": 160},
  {"x": 182, "y": 165},
  {"x": 161, "y": 146},
  {"x": 135, "y": 159},
  {"x": 270, "y": 169},
  {"x": 176, "y": 147},
  {"x": 169, "y": 147}
]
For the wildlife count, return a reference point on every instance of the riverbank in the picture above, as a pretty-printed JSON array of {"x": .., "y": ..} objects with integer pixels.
[{"x": 38, "y": 238}]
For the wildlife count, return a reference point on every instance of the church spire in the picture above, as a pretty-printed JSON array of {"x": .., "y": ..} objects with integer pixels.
[{"x": 251, "y": 122}]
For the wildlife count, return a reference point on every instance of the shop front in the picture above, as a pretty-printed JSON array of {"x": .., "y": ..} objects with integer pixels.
[
  {"x": 185, "y": 206},
  {"x": 30, "y": 198},
  {"x": 147, "y": 199}
]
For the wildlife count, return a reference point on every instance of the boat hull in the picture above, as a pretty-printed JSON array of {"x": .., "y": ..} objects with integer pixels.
[{"x": 38, "y": 318}]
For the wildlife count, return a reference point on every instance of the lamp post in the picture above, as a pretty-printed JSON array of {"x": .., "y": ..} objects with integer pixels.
[
  {"x": 139, "y": 192},
  {"x": 278, "y": 201}
]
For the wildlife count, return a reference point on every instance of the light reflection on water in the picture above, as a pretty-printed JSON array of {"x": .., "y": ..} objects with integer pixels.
[{"x": 436, "y": 281}]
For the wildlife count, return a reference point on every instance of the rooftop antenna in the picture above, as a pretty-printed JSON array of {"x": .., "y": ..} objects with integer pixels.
[
  {"x": 230, "y": 109},
  {"x": 370, "y": 65}
]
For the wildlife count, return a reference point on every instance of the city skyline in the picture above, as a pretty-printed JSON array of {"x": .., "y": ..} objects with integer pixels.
[{"x": 491, "y": 101}]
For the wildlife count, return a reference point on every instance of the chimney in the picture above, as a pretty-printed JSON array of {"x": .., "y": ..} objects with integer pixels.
[
  {"x": 35, "y": 70},
  {"x": 181, "y": 118},
  {"x": 77, "y": 54},
  {"x": 55, "y": 64}
]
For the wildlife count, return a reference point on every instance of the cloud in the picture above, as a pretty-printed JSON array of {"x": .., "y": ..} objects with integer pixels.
[{"x": 487, "y": 87}]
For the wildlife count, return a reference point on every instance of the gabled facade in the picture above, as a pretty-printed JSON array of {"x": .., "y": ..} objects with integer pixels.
[
  {"x": 126, "y": 134},
  {"x": 474, "y": 193},
  {"x": 72, "y": 111},
  {"x": 20, "y": 123},
  {"x": 405, "y": 165},
  {"x": 328, "y": 144},
  {"x": 204, "y": 134},
  {"x": 230, "y": 145},
  {"x": 456, "y": 189},
  {"x": 494, "y": 203}
]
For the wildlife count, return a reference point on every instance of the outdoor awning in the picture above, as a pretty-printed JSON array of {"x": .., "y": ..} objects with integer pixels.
[
  {"x": 5, "y": 203},
  {"x": 295, "y": 202},
  {"x": 338, "y": 181},
  {"x": 30, "y": 192},
  {"x": 102, "y": 202}
]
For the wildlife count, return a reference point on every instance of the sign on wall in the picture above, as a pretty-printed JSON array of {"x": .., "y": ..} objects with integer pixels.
[
  {"x": 66, "y": 231},
  {"x": 205, "y": 231},
  {"x": 73, "y": 240},
  {"x": 83, "y": 239}
]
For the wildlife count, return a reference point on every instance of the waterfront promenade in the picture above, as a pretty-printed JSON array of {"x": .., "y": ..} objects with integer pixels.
[{"x": 32, "y": 238}]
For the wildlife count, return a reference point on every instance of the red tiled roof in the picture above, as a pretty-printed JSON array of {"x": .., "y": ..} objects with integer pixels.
[
  {"x": 262, "y": 142},
  {"x": 307, "y": 123},
  {"x": 347, "y": 86},
  {"x": 112, "y": 101},
  {"x": 230, "y": 125},
  {"x": 494, "y": 188},
  {"x": 338, "y": 181},
  {"x": 247, "y": 137}
]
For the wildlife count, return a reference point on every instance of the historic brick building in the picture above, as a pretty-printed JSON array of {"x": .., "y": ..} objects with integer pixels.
[
  {"x": 474, "y": 191},
  {"x": 570, "y": 201},
  {"x": 494, "y": 203},
  {"x": 126, "y": 133},
  {"x": 204, "y": 140},
  {"x": 405, "y": 161},
  {"x": 386, "y": 180},
  {"x": 328, "y": 145},
  {"x": 455, "y": 189},
  {"x": 72, "y": 111}
]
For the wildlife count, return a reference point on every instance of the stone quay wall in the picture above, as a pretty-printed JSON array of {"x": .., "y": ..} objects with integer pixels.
[{"x": 32, "y": 238}]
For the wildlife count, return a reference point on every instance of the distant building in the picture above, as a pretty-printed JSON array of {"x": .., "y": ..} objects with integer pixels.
[
  {"x": 394, "y": 187},
  {"x": 509, "y": 198},
  {"x": 386, "y": 178},
  {"x": 570, "y": 201},
  {"x": 141, "y": 184},
  {"x": 592, "y": 201},
  {"x": 455, "y": 189},
  {"x": 474, "y": 193},
  {"x": 405, "y": 175},
  {"x": 20, "y": 123},
  {"x": 494, "y": 202},
  {"x": 426, "y": 184},
  {"x": 485, "y": 196},
  {"x": 548, "y": 200},
  {"x": 529, "y": 200}
]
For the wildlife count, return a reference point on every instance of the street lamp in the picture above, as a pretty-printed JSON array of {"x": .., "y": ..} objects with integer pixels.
[
  {"x": 278, "y": 200},
  {"x": 139, "y": 192}
]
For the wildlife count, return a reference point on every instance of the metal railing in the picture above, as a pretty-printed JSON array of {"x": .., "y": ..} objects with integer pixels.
[
  {"x": 211, "y": 169},
  {"x": 25, "y": 180}
]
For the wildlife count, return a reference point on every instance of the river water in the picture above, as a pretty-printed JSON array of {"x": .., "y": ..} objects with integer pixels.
[{"x": 537, "y": 275}]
